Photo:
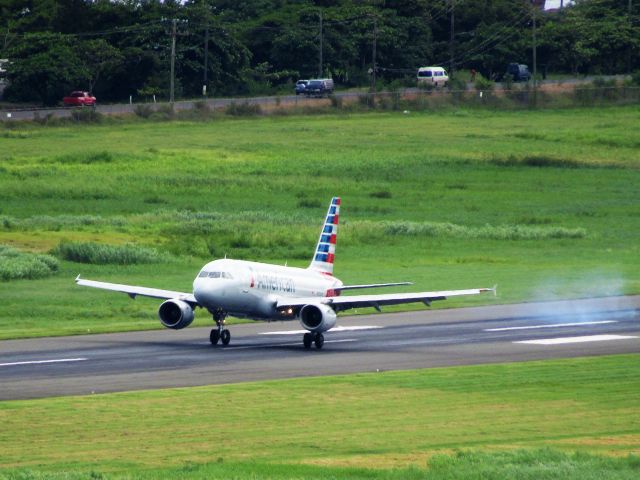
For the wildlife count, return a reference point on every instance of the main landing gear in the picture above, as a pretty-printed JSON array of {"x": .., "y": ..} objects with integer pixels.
[
  {"x": 312, "y": 337},
  {"x": 219, "y": 333}
]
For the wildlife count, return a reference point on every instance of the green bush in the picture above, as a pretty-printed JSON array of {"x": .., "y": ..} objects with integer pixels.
[
  {"x": 244, "y": 109},
  {"x": 15, "y": 264},
  {"x": 483, "y": 84},
  {"x": 97, "y": 253},
  {"x": 163, "y": 113},
  {"x": 457, "y": 84},
  {"x": 143, "y": 110},
  {"x": 86, "y": 115},
  {"x": 507, "y": 82},
  {"x": 381, "y": 194},
  {"x": 336, "y": 102}
]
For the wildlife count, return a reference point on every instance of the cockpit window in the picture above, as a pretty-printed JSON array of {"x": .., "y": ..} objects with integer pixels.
[{"x": 226, "y": 275}]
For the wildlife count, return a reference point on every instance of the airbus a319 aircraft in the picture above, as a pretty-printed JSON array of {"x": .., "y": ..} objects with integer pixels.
[{"x": 271, "y": 292}]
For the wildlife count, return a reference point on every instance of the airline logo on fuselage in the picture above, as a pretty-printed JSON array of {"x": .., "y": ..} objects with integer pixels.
[{"x": 274, "y": 283}]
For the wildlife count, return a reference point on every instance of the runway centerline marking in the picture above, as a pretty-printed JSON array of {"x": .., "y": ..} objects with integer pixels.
[
  {"x": 554, "y": 325},
  {"x": 276, "y": 345},
  {"x": 336, "y": 329},
  {"x": 39, "y": 362},
  {"x": 589, "y": 338}
]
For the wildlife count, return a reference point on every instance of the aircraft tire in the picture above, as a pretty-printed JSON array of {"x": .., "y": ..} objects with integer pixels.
[
  {"x": 214, "y": 336},
  {"x": 319, "y": 341},
  {"x": 307, "y": 340},
  {"x": 225, "y": 336}
]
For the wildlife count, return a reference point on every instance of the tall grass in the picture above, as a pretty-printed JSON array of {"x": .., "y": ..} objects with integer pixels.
[
  {"x": 499, "y": 232},
  {"x": 16, "y": 265},
  {"x": 59, "y": 222},
  {"x": 529, "y": 464},
  {"x": 97, "y": 253}
]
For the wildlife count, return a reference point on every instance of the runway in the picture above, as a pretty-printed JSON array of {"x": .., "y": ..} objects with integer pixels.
[{"x": 92, "y": 364}]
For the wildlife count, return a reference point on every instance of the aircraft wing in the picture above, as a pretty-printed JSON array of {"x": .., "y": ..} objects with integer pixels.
[
  {"x": 375, "y": 301},
  {"x": 370, "y": 285},
  {"x": 133, "y": 291}
]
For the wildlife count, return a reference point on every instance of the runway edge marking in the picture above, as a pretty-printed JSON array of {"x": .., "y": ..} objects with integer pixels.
[
  {"x": 39, "y": 362},
  {"x": 550, "y": 325},
  {"x": 564, "y": 340}
]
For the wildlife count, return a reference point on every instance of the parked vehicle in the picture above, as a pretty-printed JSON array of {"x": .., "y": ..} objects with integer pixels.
[
  {"x": 79, "y": 99},
  {"x": 319, "y": 87},
  {"x": 519, "y": 72},
  {"x": 300, "y": 86},
  {"x": 436, "y": 76}
]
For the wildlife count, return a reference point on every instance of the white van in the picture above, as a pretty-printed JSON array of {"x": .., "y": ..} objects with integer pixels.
[{"x": 436, "y": 76}]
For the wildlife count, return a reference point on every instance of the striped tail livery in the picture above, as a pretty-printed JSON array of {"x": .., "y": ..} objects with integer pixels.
[{"x": 326, "y": 248}]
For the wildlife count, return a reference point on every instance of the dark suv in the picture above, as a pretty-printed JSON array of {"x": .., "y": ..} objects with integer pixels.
[
  {"x": 319, "y": 87},
  {"x": 519, "y": 72}
]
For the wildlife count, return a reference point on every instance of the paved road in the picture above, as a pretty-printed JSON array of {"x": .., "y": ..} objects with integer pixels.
[
  {"x": 266, "y": 102},
  {"x": 156, "y": 359}
]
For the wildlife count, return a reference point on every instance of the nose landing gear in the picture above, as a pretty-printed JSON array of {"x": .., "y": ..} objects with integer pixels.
[
  {"x": 311, "y": 337},
  {"x": 219, "y": 333}
]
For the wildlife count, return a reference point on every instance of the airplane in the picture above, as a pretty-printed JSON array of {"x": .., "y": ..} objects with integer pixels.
[{"x": 269, "y": 292}]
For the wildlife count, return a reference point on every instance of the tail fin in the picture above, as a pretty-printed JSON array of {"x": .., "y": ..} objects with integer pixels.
[{"x": 326, "y": 248}]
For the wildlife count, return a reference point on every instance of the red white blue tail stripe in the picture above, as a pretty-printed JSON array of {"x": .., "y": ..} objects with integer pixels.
[{"x": 326, "y": 248}]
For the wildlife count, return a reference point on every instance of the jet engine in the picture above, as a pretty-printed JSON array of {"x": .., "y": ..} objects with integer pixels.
[
  {"x": 317, "y": 318},
  {"x": 175, "y": 314}
]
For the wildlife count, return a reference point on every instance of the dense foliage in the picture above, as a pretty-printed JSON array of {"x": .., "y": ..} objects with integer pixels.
[{"x": 123, "y": 48}]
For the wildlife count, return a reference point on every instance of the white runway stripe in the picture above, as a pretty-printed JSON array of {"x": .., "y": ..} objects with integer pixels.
[
  {"x": 336, "y": 329},
  {"x": 246, "y": 347},
  {"x": 37, "y": 362},
  {"x": 553, "y": 325},
  {"x": 589, "y": 338}
]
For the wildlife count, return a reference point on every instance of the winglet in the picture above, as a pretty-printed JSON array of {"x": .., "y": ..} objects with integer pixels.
[
  {"x": 494, "y": 290},
  {"x": 77, "y": 278}
]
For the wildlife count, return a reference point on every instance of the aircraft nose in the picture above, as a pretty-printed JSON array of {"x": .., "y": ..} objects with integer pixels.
[{"x": 207, "y": 291}]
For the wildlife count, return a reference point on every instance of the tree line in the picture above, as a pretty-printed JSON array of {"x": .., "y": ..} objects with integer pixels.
[{"x": 118, "y": 49}]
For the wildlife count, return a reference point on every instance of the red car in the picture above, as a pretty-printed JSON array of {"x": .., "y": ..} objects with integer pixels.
[{"x": 79, "y": 99}]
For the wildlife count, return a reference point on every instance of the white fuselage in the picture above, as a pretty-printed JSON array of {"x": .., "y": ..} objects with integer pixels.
[{"x": 251, "y": 289}]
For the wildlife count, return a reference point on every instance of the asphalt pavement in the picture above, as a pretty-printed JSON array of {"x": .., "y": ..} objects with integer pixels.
[{"x": 91, "y": 364}]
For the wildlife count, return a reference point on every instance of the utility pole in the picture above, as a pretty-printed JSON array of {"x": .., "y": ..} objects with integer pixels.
[
  {"x": 451, "y": 39},
  {"x": 373, "y": 54},
  {"x": 173, "y": 61},
  {"x": 535, "y": 56},
  {"x": 206, "y": 61},
  {"x": 535, "y": 48},
  {"x": 630, "y": 26},
  {"x": 320, "y": 66}
]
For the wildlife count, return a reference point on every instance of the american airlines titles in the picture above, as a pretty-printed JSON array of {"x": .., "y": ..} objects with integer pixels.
[{"x": 275, "y": 283}]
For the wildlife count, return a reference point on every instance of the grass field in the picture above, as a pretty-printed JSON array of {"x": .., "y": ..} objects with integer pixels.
[
  {"x": 542, "y": 203},
  {"x": 573, "y": 418}
]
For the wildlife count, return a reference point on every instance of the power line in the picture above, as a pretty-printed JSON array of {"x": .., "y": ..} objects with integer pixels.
[{"x": 497, "y": 36}]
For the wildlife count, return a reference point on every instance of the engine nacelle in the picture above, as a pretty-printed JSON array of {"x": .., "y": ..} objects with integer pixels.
[
  {"x": 176, "y": 314},
  {"x": 317, "y": 318}
]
